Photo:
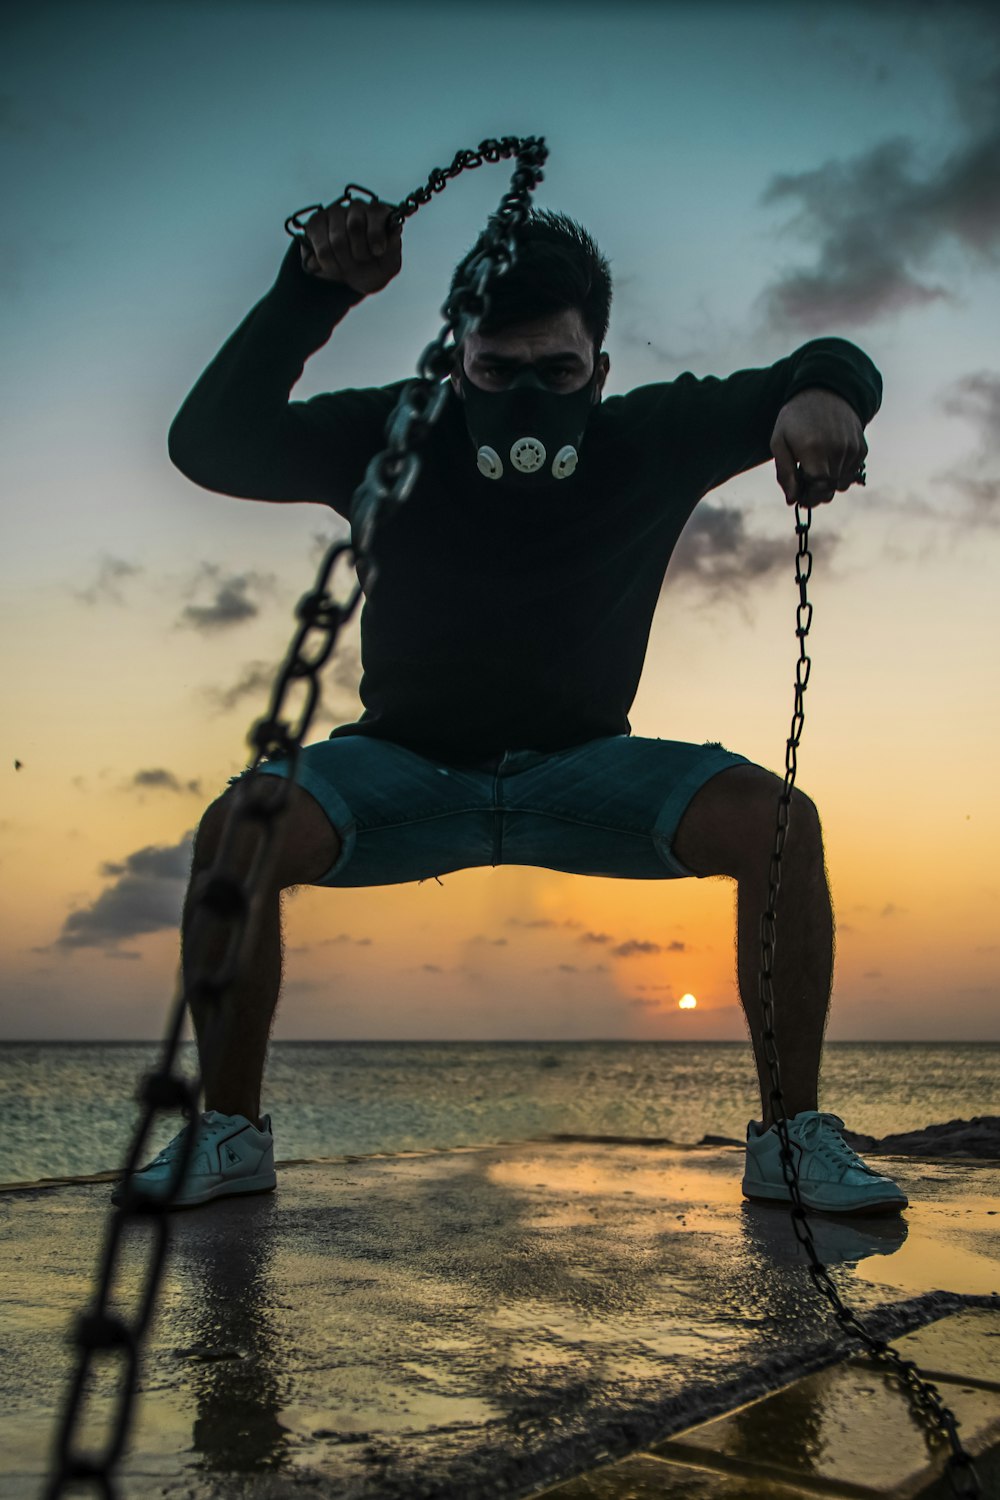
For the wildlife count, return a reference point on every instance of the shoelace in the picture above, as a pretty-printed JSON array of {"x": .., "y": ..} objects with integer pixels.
[
  {"x": 821, "y": 1133},
  {"x": 205, "y": 1130}
]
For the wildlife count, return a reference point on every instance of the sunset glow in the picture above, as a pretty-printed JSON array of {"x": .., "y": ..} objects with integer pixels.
[{"x": 146, "y": 616}]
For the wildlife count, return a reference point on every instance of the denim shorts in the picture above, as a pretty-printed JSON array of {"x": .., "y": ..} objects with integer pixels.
[{"x": 609, "y": 807}]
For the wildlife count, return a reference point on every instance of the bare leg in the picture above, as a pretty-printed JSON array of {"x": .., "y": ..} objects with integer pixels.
[
  {"x": 803, "y": 970},
  {"x": 232, "y": 1036},
  {"x": 729, "y": 830},
  {"x": 232, "y": 1042}
]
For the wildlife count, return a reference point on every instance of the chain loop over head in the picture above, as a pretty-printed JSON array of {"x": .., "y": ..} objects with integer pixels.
[{"x": 258, "y": 803}]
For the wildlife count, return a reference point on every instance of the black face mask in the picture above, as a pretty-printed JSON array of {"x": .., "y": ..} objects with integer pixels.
[{"x": 527, "y": 437}]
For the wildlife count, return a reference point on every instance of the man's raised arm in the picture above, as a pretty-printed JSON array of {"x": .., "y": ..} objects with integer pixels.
[
  {"x": 237, "y": 432},
  {"x": 810, "y": 407}
]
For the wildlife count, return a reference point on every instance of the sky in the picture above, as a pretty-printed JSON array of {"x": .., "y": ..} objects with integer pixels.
[{"x": 758, "y": 175}]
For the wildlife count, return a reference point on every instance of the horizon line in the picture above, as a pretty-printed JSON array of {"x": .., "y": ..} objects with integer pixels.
[{"x": 506, "y": 1041}]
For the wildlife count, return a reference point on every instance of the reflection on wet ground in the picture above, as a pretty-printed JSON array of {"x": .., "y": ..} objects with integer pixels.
[{"x": 469, "y": 1323}]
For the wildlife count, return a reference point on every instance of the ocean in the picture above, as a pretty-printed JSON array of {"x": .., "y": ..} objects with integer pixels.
[{"x": 70, "y": 1108}]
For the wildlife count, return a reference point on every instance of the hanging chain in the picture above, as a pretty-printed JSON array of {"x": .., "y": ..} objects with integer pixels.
[
  {"x": 924, "y": 1398},
  {"x": 233, "y": 889}
]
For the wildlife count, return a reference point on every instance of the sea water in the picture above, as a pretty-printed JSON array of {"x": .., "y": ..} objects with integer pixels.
[{"x": 70, "y": 1108}]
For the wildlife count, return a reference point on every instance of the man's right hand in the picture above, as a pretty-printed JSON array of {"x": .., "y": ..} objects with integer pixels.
[{"x": 353, "y": 245}]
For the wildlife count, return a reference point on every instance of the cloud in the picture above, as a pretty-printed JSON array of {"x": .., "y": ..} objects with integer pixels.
[
  {"x": 594, "y": 937},
  {"x": 977, "y": 397},
  {"x": 230, "y": 603},
  {"x": 105, "y": 587},
  {"x": 716, "y": 551},
  {"x": 983, "y": 495},
  {"x": 159, "y": 778},
  {"x": 257, "y": 678},
  {"x": 321, "y": 541},
  {"x": 878, "y": 218},
  {"x": 542, "y": 922},
  {"x": 147, "y": 896},
  {"x": 634, "y": 945},
  {"x": 345, "y": 664}
]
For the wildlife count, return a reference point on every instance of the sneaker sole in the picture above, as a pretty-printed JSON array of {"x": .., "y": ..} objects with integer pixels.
[
  {"x": 245, "y": 1187},
  {"x": 882, "y": 1206}
]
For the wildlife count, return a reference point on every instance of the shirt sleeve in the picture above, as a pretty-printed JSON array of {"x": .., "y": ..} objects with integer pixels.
[
  {"x": 238, "y": 432},
  {"x": 718, "y": 428}
]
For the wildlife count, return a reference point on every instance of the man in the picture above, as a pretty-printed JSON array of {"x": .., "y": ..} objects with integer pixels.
[{"x": 503, "y": 642}]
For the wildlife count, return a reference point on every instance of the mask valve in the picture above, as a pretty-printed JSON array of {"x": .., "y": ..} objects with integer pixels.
[
  {"x": 488, "y": 462},
  {"x": 527, "y": 456},
  {"x": 565, "y": 462}
]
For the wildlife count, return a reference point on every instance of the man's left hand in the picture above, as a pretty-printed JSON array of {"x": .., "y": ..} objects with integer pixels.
[{"x": 819, "y": 446}]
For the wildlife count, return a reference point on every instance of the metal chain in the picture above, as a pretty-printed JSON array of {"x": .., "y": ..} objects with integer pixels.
[
  {"x": 438, "y": 180},
  {"x": 924, "y": 1398},
  {"x": 232, "y": 891}
]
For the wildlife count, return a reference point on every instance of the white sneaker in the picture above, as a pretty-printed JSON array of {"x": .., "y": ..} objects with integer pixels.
[
  {"x": 230, "y": 1156},
  {"x": 832, "y": 1177}
]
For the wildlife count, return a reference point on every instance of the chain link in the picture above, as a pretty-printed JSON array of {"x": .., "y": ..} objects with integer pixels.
[{"x": 235, "y": 884}]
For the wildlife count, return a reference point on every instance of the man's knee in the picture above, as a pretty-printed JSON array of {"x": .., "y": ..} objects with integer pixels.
[
  {"x": 208, "y": 835},
  {"x": 731, "y": 823},
  {"x": 306, "y": 845}
]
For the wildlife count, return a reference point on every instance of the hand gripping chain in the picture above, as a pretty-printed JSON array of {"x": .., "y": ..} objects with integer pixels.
[{"x": 258, "y": 803}]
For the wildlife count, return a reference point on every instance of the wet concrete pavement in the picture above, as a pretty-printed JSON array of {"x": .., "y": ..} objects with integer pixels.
[{"x": 479, "y": 1322}]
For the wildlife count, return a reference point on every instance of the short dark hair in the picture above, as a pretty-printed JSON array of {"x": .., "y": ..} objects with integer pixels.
[{"x": 558, "y": 266}]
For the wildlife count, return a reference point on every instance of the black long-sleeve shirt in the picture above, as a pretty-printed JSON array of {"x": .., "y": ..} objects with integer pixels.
[{"x": 495, "y": 622}]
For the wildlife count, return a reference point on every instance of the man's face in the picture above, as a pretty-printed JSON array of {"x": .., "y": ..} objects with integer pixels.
[{"x": 558, "y": 347}]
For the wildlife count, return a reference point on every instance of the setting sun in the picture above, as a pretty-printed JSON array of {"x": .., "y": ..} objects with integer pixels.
[{"x": 687, "y": 1002}]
